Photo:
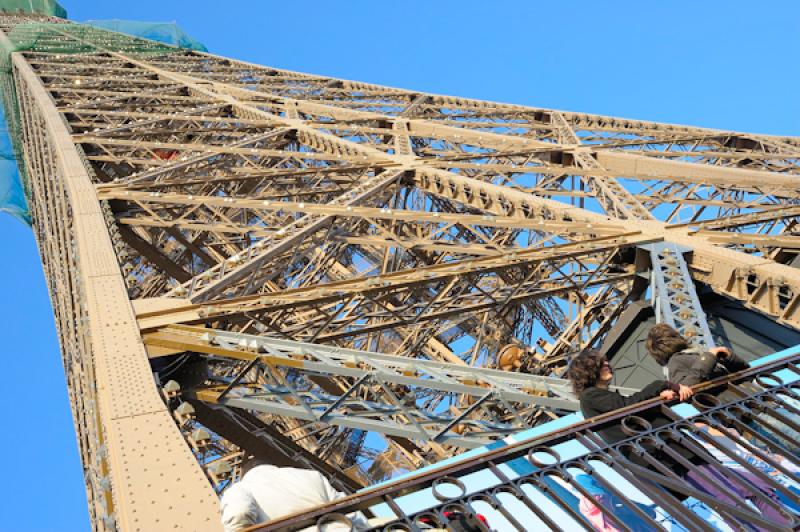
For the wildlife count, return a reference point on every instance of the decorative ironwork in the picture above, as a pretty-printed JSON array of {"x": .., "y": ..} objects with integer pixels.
[
  {"x": 738, "y": 459},
  {"x": 172, "y": 188}
]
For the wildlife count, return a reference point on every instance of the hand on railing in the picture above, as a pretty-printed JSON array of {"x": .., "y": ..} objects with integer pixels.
[{"x": 683, "y": 393}]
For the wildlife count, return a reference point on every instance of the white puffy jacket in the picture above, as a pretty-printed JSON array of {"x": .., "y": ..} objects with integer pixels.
[{"x": 267, "y": 492}]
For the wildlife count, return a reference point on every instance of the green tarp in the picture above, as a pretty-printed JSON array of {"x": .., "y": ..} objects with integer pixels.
[
  {"x": 12, "y": 197},
  {"x": 41, "y": 7},
  {"x": 39, "y": 36}
]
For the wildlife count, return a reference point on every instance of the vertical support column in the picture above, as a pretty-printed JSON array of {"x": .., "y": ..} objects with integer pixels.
[
  {"x": 676, "y": 300},
  {"x": 144, "y": 475}
]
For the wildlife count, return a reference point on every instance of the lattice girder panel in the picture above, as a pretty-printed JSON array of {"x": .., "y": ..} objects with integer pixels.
[
  {"x": 295, "y": 371},
  {"x": 124, "y": 428},
  {"x": 673, "y": 141},
  {"x": 285, "y": 205},
  {"x": 421, "y": 294}
]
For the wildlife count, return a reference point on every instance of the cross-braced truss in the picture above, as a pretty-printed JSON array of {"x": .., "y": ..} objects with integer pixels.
[{"x": 356, "y": 254}]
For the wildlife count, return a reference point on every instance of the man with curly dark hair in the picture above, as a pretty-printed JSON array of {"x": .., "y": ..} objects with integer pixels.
[
  {"x": 591, "y": 375},
  {"x": 690, "y": 365}
]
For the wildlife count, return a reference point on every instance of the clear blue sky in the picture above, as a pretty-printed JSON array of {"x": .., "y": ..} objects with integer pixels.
[{"x": 730, "y": 65}]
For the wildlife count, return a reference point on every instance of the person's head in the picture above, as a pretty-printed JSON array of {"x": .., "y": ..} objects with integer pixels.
[
  {"x": 589, "y": 368},
  {"x": 249, "y": 462},
  {"x": 663, "y": 341}
]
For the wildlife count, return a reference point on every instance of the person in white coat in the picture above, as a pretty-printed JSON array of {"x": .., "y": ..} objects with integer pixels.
[{"x": 267, "y": 492}]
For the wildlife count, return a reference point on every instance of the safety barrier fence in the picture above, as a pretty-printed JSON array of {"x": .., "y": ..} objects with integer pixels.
[{"x": 709, "y": 464}]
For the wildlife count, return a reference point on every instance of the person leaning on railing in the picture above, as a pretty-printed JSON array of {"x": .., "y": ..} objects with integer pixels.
[
  {"x": 690, "y": 365},
  {"x": 591, "y": 375},
  {"x": 687, "y": 364}
]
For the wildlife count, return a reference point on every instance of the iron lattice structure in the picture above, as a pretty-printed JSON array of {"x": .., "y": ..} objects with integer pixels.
[
  {"x": 531, "y": 484},
  {"x": 248, "y": 260}
]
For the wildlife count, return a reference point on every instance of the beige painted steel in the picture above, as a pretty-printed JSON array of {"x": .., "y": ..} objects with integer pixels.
[
  {"x": 156, "y": 483},
  {"x": 723, "y": 269},
  {"x": 142, "y": 472}
]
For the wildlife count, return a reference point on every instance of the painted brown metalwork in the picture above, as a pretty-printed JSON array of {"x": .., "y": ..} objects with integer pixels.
[{"x": 173, "y": 190}]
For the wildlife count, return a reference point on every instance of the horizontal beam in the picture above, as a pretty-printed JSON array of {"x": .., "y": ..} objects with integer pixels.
[
  {"x": 751, "y": 239},
  {"x": 181, "y": 311},
  {"x": 380, "y": 389},
  {"x": 344, "y": 210}
]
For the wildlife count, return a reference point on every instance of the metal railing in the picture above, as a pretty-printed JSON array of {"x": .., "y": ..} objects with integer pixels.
[{"x": 707, "y": 464}]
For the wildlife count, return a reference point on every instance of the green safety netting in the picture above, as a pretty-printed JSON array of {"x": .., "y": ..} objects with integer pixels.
[
  {"x": 39, "y": 7},
  {"x": 135, "y": 38},
  {"x": 12, "y": 196},
  {"x": 74, "y": 39},
  {"x": 166, "y": 32}
]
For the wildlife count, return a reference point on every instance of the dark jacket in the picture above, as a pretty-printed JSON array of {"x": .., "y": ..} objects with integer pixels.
[
  {"x": 595, "y": 401},
  {"x": 692, "y": 366}
]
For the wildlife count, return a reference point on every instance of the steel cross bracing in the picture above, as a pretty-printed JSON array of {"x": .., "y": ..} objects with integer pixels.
[
  {"x": 172, "y": 187},
  {"x": 390, "y": 394},
  {"x": 674, "y": 295}
]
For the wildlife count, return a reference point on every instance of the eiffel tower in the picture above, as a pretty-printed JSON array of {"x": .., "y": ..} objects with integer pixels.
[{"x": 337, "y": 275}]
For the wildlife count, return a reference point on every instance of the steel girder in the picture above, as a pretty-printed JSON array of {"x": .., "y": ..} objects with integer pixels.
[
  {"x": 177, "y": 187},
  {"x": 674, "y": 294},
  {"x": 388, "y": 394}
]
